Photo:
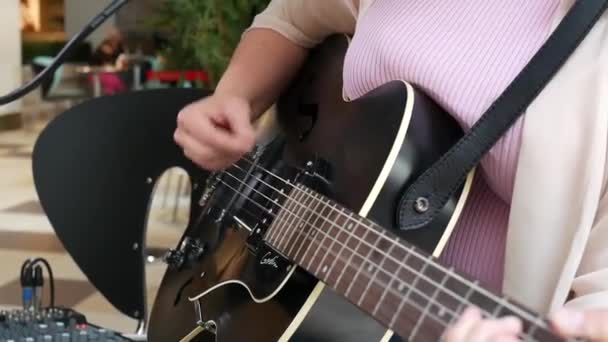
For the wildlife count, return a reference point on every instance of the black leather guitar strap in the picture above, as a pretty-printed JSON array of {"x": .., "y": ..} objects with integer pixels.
[{"x": 431, "y": 191}]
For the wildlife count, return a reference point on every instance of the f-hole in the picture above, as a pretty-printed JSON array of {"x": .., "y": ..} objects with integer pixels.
[
  {"x": 308, "y": 118},
  {"x": 178, "y": 296}
]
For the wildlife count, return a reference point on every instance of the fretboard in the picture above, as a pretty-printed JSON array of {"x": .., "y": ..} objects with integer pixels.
[{"x": 399, "y": 285}]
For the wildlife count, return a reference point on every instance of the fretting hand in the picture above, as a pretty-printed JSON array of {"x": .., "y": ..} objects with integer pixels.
[
  {"x": 591, "y": 324},
  {"x": 471, "y": 327}
]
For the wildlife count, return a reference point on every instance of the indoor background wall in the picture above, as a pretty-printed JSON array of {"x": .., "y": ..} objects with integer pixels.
[
  {"x": 10, "y": 54},
  {"x": 79, "y": 12},
  {"x": 132, "y": 17}
]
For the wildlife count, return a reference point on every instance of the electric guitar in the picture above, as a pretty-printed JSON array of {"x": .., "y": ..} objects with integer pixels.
[{"x": 298, "y": 240}]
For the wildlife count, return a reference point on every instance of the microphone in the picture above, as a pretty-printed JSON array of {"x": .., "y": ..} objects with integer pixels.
[{"x": 63, "y": 54}]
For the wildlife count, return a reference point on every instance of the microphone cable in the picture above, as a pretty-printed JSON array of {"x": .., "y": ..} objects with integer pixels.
[
  {"x": 32, "y": 283},
  {"x": 63, "y": 54},
  {"x": 31, "y": 274}
]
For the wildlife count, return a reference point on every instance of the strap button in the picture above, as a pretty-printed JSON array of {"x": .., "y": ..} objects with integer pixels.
[{"x": 421, "y": 205}]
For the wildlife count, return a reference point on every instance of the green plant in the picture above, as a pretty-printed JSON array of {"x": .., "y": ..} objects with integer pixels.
[{"x": 204, "y": 33}]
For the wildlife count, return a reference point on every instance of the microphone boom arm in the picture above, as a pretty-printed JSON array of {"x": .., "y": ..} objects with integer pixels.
[{"x": 63, "y": 54}]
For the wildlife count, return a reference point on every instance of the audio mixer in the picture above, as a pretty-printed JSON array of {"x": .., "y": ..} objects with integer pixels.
[{"x": 52, "y": 325}]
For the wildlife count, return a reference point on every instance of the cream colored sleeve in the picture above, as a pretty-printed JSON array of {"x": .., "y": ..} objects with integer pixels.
[
  {"x": 590, "y": 285},
  {"x": 308, "y": 22}
]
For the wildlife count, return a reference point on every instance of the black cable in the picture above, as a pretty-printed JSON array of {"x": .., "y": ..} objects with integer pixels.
[
  {"x": 24, "y": 267},
  {"x": 63, "y": 54},
  {"x": 51, "y": 279},
  {"x": 38, "y": 281}
]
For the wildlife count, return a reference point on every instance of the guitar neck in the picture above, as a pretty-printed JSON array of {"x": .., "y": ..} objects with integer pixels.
[{"x": 399, "y": 285}]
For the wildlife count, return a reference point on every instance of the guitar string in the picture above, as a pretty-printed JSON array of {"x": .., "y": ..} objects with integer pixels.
[
  {"x": 317, "y": 241},
  {"x": 500, "y": 301},
  {"x": 410, "y": 288},
  {"x": 426, "y": 309},
  {"x": 373, "y": 247}
]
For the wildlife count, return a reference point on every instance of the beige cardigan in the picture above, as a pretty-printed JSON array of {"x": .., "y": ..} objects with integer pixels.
[{"x": 558, "y": 228}]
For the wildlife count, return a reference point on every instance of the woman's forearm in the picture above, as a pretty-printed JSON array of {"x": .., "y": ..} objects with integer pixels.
[{"x": 262, "y": 65}]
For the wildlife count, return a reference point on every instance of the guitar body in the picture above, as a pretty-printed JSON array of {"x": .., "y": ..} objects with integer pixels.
[{"x": 371, "y": 149}]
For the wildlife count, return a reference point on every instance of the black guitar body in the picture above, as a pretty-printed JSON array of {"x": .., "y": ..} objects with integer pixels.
[{"x": 364, "y": 154}]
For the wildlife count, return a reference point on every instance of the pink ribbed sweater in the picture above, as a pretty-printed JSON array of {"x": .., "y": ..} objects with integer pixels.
[{"x": 463, "y": 54}]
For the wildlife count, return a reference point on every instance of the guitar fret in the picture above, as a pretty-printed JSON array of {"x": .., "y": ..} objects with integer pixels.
[
  {"x": 343, "y": 237},
  {"x": 282, "y": 216},
  {"x": 404, "y": 276},
  {"x": 496, "y": 311},
  {"x": 324, "y": 231},
  {"x": 334, "y": 232},
  {"x": 407, "y": 296},
  {"x": 302, "y": 234},
  {"x": 300, "y": 226},
  {"x": 373, "y": 292},
  {"x": 440, "y": 306},
  {"x": 353, "y": 256},
  {"x": 332, "y": 276},
  {"x": 392, "y": 278},
  {"x": 462, "y": 306},
  {"x": 534, "y": 326},
  {"x": 372, "y": 281},
  {"x": 355, "y": 260},
  {"x": 427, "y": 309},
  {"x": 292, "y": 216},
  {"x": 451, "y": 299},
  {"x": 275, "y": 228},
  {"x": 441, "y": 297},
  {"x": 484, "y": 302},
  {"x": 364, "y": 250},
  {"x": 420, "y": 289},
  {"x": 327, "y": 230},
  {"x": 312, "y": 236}
]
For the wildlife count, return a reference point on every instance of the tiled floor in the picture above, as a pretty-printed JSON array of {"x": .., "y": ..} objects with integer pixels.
[{"x": 25, "y": 233}]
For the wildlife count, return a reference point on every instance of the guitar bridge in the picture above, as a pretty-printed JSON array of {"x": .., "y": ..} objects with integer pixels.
[{"x": 208, "y": 326}]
